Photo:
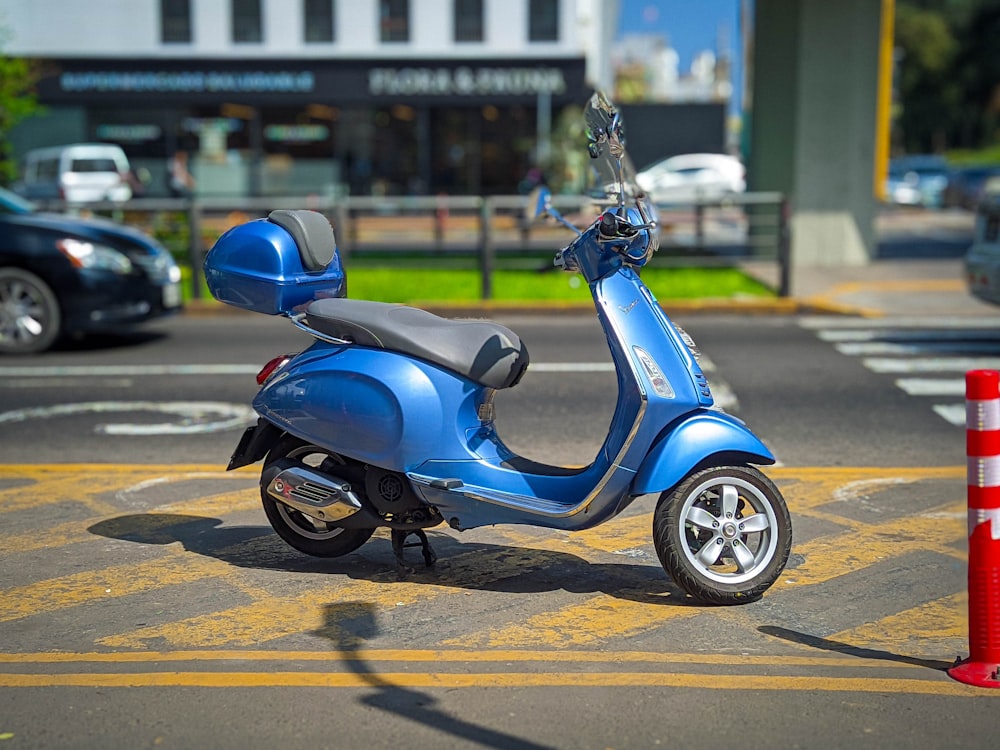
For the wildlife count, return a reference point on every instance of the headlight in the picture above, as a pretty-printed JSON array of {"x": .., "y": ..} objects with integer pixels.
[{"x": 84, "y": 254}]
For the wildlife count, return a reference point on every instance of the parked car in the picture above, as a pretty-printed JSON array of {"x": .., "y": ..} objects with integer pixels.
[
  {"x": 77, "y": 173},
  {"x": 968, "y": 185},
  {"x": 917, "y": 180},
  {"x": 982, "y": 262},
  {"x": 687, "y": 178},
  {"x": 62, "y": 274}
]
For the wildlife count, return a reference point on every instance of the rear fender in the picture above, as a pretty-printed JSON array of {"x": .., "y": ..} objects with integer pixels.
[{"x": 690, "y": 442}]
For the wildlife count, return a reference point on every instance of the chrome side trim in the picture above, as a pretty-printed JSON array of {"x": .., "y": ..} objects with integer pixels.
[{"x": 535, "y": 505}]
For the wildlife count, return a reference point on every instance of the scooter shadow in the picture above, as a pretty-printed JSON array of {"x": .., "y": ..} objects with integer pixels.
[{"x": 471, "y": 566}]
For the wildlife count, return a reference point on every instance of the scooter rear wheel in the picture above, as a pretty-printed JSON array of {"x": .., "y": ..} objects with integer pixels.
[
  {"x": 304, "y": 533},
  {"x": 723, "y": 534}
]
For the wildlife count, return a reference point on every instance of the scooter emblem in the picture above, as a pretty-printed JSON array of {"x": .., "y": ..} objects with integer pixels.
[{"x": 628, "y": 308}]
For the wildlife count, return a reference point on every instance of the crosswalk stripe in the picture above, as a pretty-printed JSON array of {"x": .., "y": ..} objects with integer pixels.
[
  {"x": 868, "y": 348},
  {"x": 931, "y": 364},
  {"x": 932, "y": 386},
  {"x": 954, "y": 413},
  {"x": 906, "y": 347}
]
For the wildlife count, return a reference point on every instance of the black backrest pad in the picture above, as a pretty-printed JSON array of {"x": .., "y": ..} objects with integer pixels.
[{"x": 313, "y": 236}]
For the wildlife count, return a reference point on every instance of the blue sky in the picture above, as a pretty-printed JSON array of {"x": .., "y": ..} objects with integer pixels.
[{"x": 690, "y": 25}]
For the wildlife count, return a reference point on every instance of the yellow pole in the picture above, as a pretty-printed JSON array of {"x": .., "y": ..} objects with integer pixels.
[{"x": 883, "y": 107}]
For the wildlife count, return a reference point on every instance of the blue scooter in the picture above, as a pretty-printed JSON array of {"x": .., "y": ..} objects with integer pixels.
[{"x": 387, "y": 419}]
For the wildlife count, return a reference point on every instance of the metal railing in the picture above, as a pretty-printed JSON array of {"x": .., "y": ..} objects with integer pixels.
[{"x": 483, "y": 230}]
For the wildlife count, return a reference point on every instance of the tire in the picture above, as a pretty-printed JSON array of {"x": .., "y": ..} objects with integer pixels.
[
  {"x": 306, "y": 534},
  {"x": 29, "y": 313},
  {"x": 723, "y": 534}
]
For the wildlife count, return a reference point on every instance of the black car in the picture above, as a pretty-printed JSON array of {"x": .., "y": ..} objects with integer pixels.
[{"x": 62, "y": 274}]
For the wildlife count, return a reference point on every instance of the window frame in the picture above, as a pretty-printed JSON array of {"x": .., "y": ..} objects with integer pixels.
[
  {"x": 330, "y": 34},
  {"x": 539, "y": 30},
  {"x": 177, "y": 21},
  {"x": 477, "y": 27},
  {"x": 390, "y": 14},
  {"x": 242, "y": 15}
]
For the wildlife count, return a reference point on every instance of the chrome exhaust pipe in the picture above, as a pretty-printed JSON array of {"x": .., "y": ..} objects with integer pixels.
[{"x": 320, "y": 496}]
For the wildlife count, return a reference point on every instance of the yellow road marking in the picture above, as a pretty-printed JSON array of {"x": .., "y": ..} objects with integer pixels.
[
  {"x": 863, "y": 545},
  {"x": 726, "y": 681},
  {"x": 941, "y": 618},
  {"x": 76, "y": 532},
  {"x": 593, "y": 621},
  {"x": 598, "y": 619},
  {"x": 97, "y": 585},
  {"x": 452, "y": 655}
]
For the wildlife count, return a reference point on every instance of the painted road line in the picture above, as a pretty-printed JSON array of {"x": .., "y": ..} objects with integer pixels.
[
  {"x": 268, "y": 617},
  {"x": 931, "y": 364},
  {"x": 46, "y": 485},
  {"x": 190, "y": 417},
  {"x": 98, "y": 585},
  {"x": 451, "y": 680},
  {"x": 111, "y": 371},
  {"x": 577, "y": 656},
  {"x": 954, "y": 413},
  {"x": 929, "y": 621},
  {"x": 870, "y": 348},
  {"x": 593, "y": 622},
  {"x": 933, "y": 386},
  {"x": 163, "y": 517},
  {"x": 832, "y": 322}
]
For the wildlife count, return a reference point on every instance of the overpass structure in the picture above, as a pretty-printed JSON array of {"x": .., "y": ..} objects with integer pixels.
[{"x": 821, "y": 77}]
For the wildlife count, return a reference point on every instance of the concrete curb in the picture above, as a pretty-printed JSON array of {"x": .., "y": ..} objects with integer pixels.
[{"x": 783, "y": 306}]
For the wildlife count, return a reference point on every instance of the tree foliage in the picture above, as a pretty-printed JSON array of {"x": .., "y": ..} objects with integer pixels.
[
  {"x": 17, "y": 102},
  {"x": 947, "y": 74}
]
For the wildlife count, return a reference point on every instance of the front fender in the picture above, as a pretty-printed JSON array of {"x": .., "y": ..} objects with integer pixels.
[{"x": 689, "y": 442}]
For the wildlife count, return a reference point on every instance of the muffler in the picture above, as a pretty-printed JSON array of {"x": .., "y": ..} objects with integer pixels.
[{"x": 320, "y": 496}]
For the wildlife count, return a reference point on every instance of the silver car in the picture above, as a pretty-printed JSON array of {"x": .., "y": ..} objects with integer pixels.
[{"x": 982, "y": 262}]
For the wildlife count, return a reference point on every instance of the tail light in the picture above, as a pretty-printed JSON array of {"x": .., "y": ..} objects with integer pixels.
[{"x": 271, "y": 369}]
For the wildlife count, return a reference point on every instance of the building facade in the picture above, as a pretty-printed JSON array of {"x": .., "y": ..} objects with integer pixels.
[{"x": 299, "y": 97}]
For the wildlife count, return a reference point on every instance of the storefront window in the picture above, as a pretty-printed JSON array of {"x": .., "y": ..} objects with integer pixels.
[
  {"x": 247, "y": 26},
  {"x": 395, "y": 166},
  {"x": 468, "y": 20},
  {"x": 394, "y": 20},
  {"x": 543, "y": 21},
  {"x": 175, "y": 21},
  {"x": 319, "y": 21}
]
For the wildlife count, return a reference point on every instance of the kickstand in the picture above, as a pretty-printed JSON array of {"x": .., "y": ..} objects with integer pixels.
[{"x": 399, "y": 543}]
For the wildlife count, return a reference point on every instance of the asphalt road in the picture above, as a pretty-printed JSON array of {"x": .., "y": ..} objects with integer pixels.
[{"x": 148, "y": 604}]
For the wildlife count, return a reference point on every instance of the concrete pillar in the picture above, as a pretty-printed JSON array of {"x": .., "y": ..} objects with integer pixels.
[{"x": 813, "y": 124}]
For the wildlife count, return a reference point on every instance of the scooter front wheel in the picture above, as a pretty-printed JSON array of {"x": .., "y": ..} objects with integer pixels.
[
  {"x": 723, "y": 534},
  {"x": 304, "y": 533}
]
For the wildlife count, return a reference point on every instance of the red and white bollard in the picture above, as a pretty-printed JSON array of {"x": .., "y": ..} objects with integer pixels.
[{"x": 982, "y": 423}]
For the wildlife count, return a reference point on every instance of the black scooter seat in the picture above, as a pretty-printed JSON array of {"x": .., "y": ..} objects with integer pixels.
[{"x": 485, "y": 352}]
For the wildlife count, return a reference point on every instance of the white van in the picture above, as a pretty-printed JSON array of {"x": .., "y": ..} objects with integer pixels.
[{"x": 77, "y": 173}]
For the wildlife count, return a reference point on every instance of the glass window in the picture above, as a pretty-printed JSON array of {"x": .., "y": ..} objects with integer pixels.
[
  {"x": 394, "y": 20},
  {"x": 318, "y": 17},
  {"x": 175, "y": 21},
  {"x": 468, "y": 20},
  {"x": 247, "y": 27},
  {"x": 543, "y": 21}
]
